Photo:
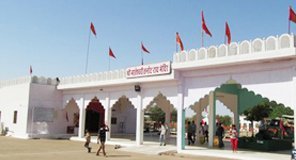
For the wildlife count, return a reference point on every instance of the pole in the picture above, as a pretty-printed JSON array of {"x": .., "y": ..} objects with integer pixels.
[
  {"x": 202, "y": 38},
  {"x": 142, "y": 54},
  {"x": 289, "y": 23},
  {"x": 109, "y": 64},
  {"x": 176, "y": 47},
  {"x": 225, "y": 40},
  {"x": 87, "y": 53}
]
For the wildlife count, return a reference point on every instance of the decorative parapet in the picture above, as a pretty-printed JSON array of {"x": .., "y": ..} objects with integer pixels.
[
  {"x": 93, "y": 77},
  {"x": 29, "y": 79},
  {"x": 45, "y": 81},
  {"x": 256, "y": 46},
  {"x": 13, "y": 82}
]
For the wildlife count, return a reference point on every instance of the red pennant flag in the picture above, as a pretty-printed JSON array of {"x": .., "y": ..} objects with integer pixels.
[
  {"x": 227, "y": 33},
  {"x": 179, "y": 41},
  {"x": 111, "y": 53},
  {"x": 144, "y": 49},
  {"x": 292, "y": 15},
  {"x": 92, "y": 28},
  {"x": 31, "y": 70},
  {"x": 204, "y": 26}
]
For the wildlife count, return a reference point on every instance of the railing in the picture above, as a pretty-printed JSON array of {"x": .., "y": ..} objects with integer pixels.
[{"x": 245, "y": 47}]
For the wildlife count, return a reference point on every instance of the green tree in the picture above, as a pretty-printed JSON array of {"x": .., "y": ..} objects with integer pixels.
[
  {"x": 279, "y": 109},
  {"x": 257, "y": 113},
  {"x": 225, "y": 120},
  {"x": 156, "y": 114},
  {"x": 174, "y": 115}
]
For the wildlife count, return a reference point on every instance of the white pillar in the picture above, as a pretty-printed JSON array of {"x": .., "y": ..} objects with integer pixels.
[
  {"x": 140, "y": 118},
  {"x": 294, "y": 106},
  {"x": 180, "y": 120},
  {"x": 168, "y": 116},
  {"x": 108, "y": 117},
  {"x": 81, "y": 104},
  {"x": 198, "y": 120},
  {"x": 212, "y": 118}
]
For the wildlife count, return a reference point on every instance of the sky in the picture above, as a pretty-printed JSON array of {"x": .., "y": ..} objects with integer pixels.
[{"x": 52, "y": 35}]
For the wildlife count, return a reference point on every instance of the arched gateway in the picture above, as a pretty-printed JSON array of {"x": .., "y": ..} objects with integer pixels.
[{"x": 263, "y": 70}]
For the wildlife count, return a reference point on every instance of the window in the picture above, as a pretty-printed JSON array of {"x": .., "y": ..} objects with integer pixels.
[
  {"x": 14, "y": 117},
  {"x": 113, "y": 120}
]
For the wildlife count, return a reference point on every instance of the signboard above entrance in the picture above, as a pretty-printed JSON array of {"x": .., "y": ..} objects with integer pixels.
[{"x": 149, "y": 70}]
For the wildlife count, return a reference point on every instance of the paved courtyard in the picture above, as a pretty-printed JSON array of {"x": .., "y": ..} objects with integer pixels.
[{"x": 48, "y": 149}]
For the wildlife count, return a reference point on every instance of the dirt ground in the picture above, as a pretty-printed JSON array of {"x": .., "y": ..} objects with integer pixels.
[{"x": 49, "y": 149}]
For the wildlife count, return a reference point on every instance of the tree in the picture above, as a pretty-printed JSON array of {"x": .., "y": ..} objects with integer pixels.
[
  {"x": 156, "y": 114},
  {"x": 225, "y": 120},
  {"x": 279, "y": 109},
  {"x": 174, "y": 115},
  {"x": 258, "y": 113}
]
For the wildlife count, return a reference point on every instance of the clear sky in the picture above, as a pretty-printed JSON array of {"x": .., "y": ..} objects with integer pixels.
[{"x": 52, "y": 35}]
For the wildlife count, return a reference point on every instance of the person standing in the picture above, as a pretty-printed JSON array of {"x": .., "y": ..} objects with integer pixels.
[
  {"x": 102, "y": 138},
  {"x": 201, "y": 133},
  {"x": 87, "y": 141},
  {"x": 163, "y": 132},
  {"x": 206, "y": 127},
  {"x": 233, "y": 138},
  {"x": 193, "y": 128},
  {"x": 220, "y": 134},
  {"x": 189, "y": 133}
]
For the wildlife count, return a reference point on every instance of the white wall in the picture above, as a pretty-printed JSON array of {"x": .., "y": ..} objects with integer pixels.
[
  {"x": 127, "y": 117},
  {"x": 15, "y": 98},
  {"x": 48, "y": 97}
]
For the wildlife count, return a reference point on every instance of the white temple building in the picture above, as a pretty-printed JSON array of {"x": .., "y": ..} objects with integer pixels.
[{"x": 239, "y": 75}]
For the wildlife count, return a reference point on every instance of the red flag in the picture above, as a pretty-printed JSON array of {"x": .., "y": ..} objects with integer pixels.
[
  {"x": 227, "y": 33},
  {"x": 144, "y": 49},
  {"x": 204, "y": 26},
  {"x": 292, "y": 15},
  {"x": 111, "y": 53},
  {"x": 92, "y": 28},
  {"x": 179, "y": 41},
  {"x": 31, "y": 70}
]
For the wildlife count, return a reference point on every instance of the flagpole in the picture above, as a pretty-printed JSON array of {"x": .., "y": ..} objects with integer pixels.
[
  {"x": 109, "y": 64},
  {"x": 142, "y": 54},
  {"x": 289, "y": 26},
  {"x": 176, "y": 46},
  {"x": 202, "y": 38},
  {"x": 87, "y": 53},
  {"x": 225, "y": 39}
]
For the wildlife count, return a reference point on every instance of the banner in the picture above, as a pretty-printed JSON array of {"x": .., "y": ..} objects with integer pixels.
[{"x": 149, "y": 70}]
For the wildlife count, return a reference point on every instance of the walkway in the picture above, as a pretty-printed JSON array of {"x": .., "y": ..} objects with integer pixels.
[{"x": 153, "y": 148}]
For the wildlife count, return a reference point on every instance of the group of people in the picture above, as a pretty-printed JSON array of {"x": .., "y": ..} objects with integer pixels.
[
  {"x": 191, "y": 132},
  {"x": 233, "y": 134},
  {"x": 101, "y": 139},
  {"x": 204, "y": 134}
]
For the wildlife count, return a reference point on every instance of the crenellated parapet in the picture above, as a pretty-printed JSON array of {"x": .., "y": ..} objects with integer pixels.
[
  {"x": 257, "y": 46},
  {"x": 93, "y": 77},
  {"x": 44, "y": 80},
  {"x": 29, "y": 79},
  {"x": 17, "y": 81}
]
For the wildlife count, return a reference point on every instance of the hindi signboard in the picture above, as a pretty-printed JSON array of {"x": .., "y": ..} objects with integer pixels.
[{"x": 149, "y": 70}]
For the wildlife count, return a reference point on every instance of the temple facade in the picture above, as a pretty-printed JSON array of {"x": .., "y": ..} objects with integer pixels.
[{"x": 240, "y": 75}]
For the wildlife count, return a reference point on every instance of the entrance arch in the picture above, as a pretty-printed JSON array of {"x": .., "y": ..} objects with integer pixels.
[
  {"x": 234, "y": 97},
  {"x": 123, "y": 119},
  {"x": 71, "y": 113},
  {"x": 170, "y": 114},
  {"x": 95, "y": 115}
]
